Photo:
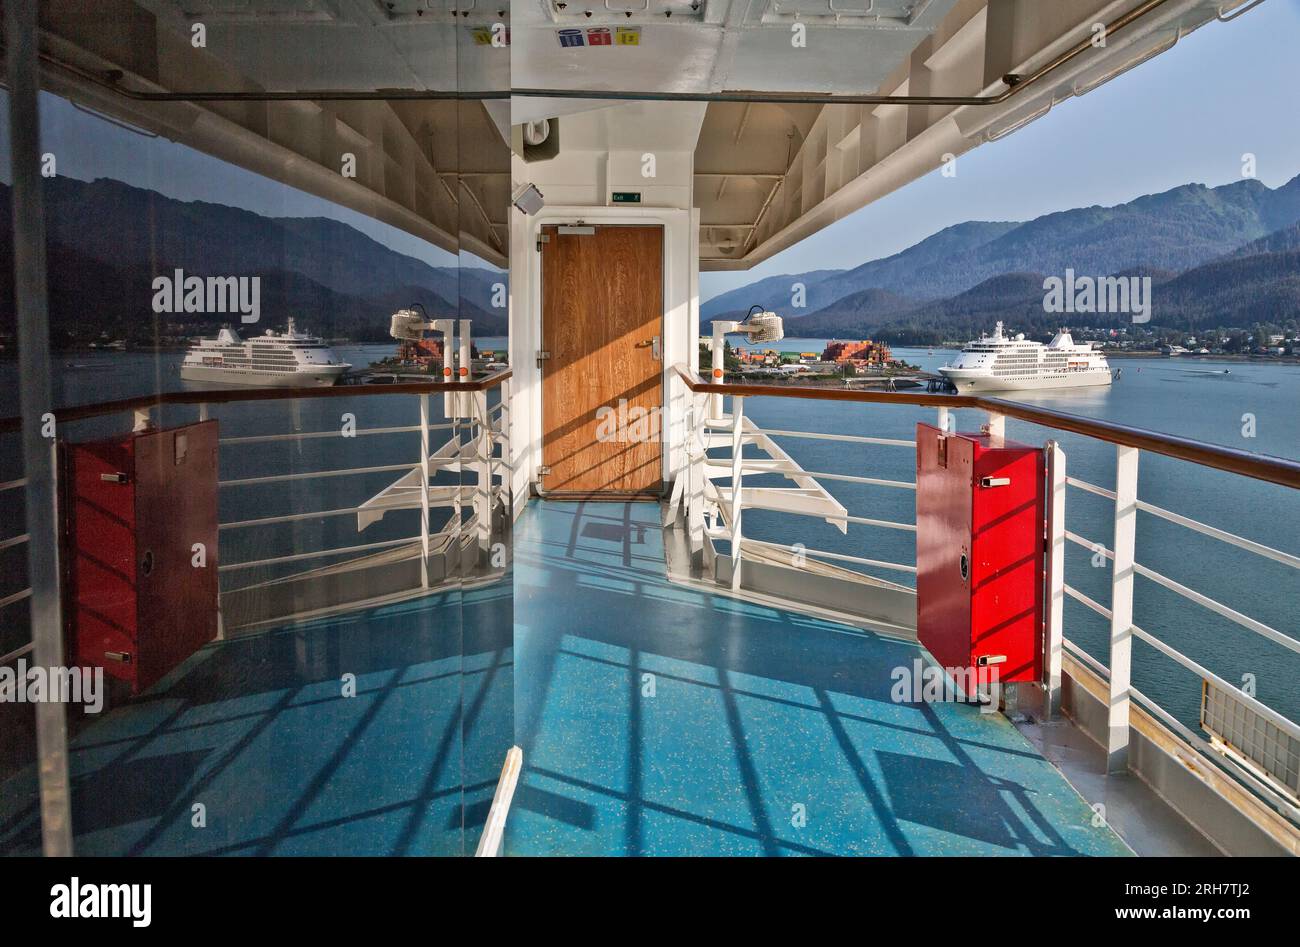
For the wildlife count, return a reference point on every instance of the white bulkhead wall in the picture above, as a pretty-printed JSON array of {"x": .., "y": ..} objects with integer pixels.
[{"x": 601, "y": 151}]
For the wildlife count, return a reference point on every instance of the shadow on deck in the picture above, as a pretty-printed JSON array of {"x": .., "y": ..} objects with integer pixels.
[
  {"x": 258, "y": 731},
  {"x": 658, "y": 719}
]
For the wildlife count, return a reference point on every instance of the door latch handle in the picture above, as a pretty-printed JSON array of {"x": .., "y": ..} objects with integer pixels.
[{"x": 654, "y": 347}]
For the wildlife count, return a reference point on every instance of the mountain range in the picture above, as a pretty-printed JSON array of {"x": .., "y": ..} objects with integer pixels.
[
  {"x": 1221, "y": 256},
  {"x": 107, "y": 240}
]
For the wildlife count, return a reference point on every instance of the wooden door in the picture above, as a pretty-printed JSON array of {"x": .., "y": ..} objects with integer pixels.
[{"x": 602, "y": 384}]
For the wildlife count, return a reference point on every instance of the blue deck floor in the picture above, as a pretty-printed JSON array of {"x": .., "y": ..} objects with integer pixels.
[
  {"x": 654, "y": 718},
  {"x": 259, "y": 731},
  {"x": 658, "y": 719}
]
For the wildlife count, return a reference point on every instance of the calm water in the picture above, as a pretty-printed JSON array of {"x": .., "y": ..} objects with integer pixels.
[{"x": 1191, "y": 398}]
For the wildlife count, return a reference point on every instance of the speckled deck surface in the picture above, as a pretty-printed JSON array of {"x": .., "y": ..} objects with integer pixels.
[
  {"x": 259, "y": 732},
  {"x": 662, "y": 720}
]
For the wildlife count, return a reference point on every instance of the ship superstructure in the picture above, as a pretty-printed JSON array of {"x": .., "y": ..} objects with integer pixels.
[
  {"x": 288, "y": 359},
  {"x": 1000, "y": 362}
]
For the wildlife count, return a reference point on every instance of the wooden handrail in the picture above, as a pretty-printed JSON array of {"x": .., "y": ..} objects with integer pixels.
[
  {"x": 227, "y": 395},
  {"x": 1265, "y": 467}
]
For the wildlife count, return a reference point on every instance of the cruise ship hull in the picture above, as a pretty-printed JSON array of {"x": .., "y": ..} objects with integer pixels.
[
  {"x": 969, "y": 383},
  {"x": 324, "y": 376}
]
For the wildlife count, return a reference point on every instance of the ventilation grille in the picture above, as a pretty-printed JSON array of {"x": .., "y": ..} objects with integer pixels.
[{"x": 1254, "y": 737}]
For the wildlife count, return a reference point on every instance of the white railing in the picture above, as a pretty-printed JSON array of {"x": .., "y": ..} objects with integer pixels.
[
  {"x": 706, "y": 503},
  {"x": 1117, "y": 671},
  {"x": 716, "y": 512},
  {"x": 477, "y": 443},
  {"x": 483, "y": 450}
]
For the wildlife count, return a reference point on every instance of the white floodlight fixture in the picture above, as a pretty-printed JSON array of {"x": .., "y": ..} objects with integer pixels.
[
  {"x": 407, "y": 325},
  {"x": 758, "y": 327}
]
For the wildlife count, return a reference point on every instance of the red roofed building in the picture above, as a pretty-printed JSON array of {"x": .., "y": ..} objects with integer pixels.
[{"x": 862, "y": 354}]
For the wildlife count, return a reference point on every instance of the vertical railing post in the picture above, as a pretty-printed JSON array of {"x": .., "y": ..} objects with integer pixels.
[
  {"x": 507, "y": 467},
  {"x": 718, "y": 370},
  {"x": 944, "y": 419},
  {"x": 31, "y": 312},
  {"x": 1121, "y": 608},
  {"x": 996, "y": 426},
  {"x": 424, "y": 491},
  {"x": 483, "y": 470},
  {"x": 697, "y": 447},
  {"x": 1054, "y": 612},
  {"x": 737, "y": 476}
]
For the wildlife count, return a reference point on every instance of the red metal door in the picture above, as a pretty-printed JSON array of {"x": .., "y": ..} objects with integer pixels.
[
  {"x": 141, "y": 560},
  {"x": 979, "y": 553},
  {"x": 1007, "y": 528},
  {"x": 943, "y": 545}
]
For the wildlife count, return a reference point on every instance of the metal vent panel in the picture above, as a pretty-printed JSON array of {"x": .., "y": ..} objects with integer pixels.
[{"x": 1275, "y": 751}]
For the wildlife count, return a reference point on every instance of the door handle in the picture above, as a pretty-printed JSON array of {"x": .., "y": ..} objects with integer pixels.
[{"x": 654, "y": 347}]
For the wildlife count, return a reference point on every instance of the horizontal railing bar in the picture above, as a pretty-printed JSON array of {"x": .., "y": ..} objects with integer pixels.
[
  {"x": 1245, "y": 621},
  {"x": 294, "y": 517},
  {"x": 1089, "y": 544},
  {"x": 17, "y": 653},
  {"x": 1290, "y": 726},
  {"x": 1240, "y": 542},
  {"x": 899, "y": 484},
  {"x": 15, "y": 597},
  {"x": 298, "y": 557},
  {"x": 13, "y": 484},
  {"x": 847, "y": 438},
  {"x": 879, "y": 563},
  {"x": 14, "y": 540},
  {"x": 228, "y": 395},
  {"x": 724, "y": 463},
  {"x": 1090, "y": 487},
  {"x": 865, "y": 521},
  {"x": 1086, "y": 658},
  {"x": 307, "y": 435},
  {"x": 1078, "y": 596},
  {"x": 280, "y": 478},
  {"x": 1277, "y": 470},
  {"x": 822, "y": 553}
]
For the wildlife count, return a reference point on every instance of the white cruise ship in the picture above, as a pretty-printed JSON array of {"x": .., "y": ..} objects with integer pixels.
[
  {"x": 287, "y": 359},
  {"x": 1010, "y": 363}
]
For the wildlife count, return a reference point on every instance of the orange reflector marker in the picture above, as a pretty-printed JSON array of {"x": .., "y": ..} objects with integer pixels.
[
  {"x": 717, "y": 373},
  {"x": 446, "y": 373},
  {"x": 463, "y": 371}
]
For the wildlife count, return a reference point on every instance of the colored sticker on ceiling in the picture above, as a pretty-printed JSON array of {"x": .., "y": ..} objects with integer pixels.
[{"x": 599, "y": 36}]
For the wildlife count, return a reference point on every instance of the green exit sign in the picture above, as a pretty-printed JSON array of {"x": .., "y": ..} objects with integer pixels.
[{"x": 627, "y": 197}]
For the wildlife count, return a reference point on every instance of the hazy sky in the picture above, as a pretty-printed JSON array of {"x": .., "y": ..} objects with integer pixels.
[{"x": 1185, "y": 116}]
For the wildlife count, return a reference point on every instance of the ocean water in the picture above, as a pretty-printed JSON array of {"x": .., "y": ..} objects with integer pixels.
[{"x": 1193, "y": 398}]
